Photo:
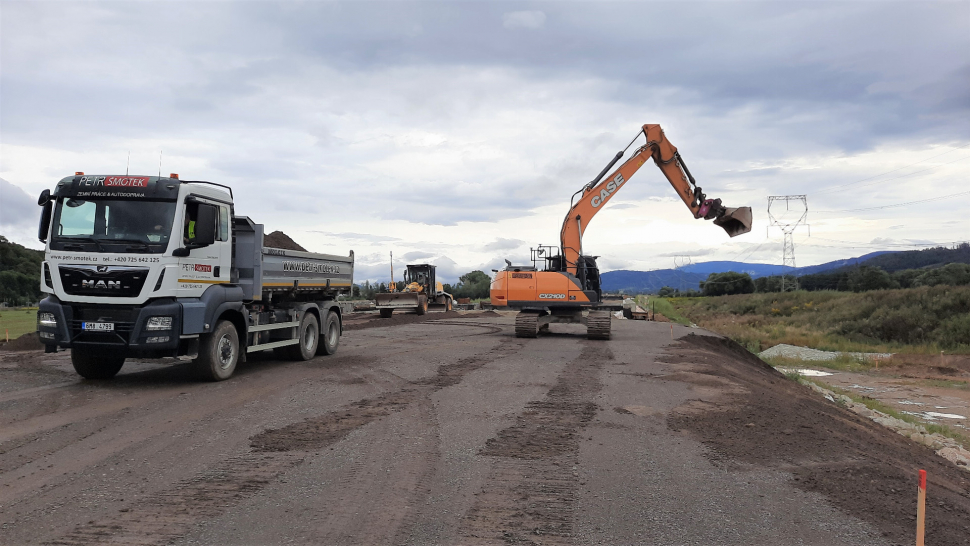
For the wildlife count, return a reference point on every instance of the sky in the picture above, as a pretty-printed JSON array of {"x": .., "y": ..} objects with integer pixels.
[{"x": 456, "y": 132}]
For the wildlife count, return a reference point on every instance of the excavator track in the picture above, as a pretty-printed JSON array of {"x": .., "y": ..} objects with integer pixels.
[
  {"x": 598, "y": 325},
  {"x": 527, "y": 324}
]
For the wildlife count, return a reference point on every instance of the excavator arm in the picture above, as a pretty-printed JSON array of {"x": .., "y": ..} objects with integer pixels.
[{"x": 594, "y": 196}]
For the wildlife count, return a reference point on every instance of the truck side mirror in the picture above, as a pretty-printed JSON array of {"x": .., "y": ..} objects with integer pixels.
[
  {"x": 45, "y": 216},
  {"x": 205, "y": 225}
]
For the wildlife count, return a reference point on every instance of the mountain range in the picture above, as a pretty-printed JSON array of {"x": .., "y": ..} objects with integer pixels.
[{"x": 688, "y": 277}]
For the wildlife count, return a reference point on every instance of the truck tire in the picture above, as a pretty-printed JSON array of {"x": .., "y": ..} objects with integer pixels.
[
  {"x": 422, "y": 305},
  {"x": 448, "y": 305},
  {"x": 386, "y": 313},
  {"x": 330, "y": 334},
  {"x": 96, "y": 364},
  {"x": 218, "y": 353},
  {"x": 309, "y": 336}
]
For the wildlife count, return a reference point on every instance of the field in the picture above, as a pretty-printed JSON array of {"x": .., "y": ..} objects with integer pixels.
[
  {"x": 17, "y": 321},
  {"x": 918, "y": 321}
]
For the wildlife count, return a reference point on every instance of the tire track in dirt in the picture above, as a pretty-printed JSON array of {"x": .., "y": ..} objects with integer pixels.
[
  {"x": 165, "y": 516},
  {"x": 530, "y": 495}
]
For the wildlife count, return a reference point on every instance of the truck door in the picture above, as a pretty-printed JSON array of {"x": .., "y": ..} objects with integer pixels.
[{"x": 208, "y": 265}]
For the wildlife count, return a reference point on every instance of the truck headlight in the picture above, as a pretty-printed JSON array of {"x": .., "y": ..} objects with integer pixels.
[
  {"x": 46, "y": 319},
  {"x": 159, "y": 323}
]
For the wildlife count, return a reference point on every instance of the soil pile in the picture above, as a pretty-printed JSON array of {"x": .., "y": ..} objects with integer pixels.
[
  {"x": 26, "y": 342},
  {"x": 278, "y": 239},
  {"x": 863, "y": 468}
]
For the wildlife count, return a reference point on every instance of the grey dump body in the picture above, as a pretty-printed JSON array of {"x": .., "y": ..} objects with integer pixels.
[{"x": 264, "y": 271}]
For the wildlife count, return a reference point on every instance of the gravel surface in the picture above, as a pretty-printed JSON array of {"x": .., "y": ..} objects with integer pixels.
[
  {"x": 453, "y": 431},
  {"x": 805, "y": 353}
]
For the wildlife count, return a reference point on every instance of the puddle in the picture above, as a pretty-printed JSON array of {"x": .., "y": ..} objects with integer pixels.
[
  {"x": 805, "y": 371},
  {"x": 936, "y": 415},
  {"x": 861, "y": 388},
  {"x": 911, "y": 403}
]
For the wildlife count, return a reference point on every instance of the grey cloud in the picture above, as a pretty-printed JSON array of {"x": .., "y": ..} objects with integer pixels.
[
  {"x": 524, "y": 19},
  {"x": 17, "y": 209},
  {"x": 417, "y": 255},
  {"x": 621, "y": 206},
  {"x": 503, "y": 244},
  {"x": 362, "y": 237},
  {"x": 691, "y": 253}
]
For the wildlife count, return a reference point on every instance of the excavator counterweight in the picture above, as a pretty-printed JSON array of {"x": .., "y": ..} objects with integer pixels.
[{"x": 567, "y": 288}]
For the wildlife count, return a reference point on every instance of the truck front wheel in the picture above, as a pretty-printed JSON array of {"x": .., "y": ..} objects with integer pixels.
[
  {"x": 96, "y": 364},
  {"x": 308, "y": 335},
  {"x": 218, "y": 353},
  {"x": 422, "y": 305},
  {"x": 330, "y": 336}
]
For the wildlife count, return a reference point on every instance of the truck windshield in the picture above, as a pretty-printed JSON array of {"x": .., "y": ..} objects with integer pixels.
[{"x": 113, "y": 225}]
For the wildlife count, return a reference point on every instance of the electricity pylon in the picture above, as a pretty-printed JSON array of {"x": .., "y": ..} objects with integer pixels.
[{"x": 788, "y": 228}]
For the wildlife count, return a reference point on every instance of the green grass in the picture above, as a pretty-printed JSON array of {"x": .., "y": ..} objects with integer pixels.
[
  {"x": 921, "y": 321},
  {"x": 947, "y": 384},
  {"x": 664, "y": 307},
  {"x": 17, "y": 321}
]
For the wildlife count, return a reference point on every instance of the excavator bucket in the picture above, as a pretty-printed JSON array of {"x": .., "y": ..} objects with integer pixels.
[{"x": 735, "y": 221}]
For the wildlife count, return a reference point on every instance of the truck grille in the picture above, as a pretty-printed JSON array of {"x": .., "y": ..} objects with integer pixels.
[
  {"x": 123, "y": 318},
  {"x": 101, "y": 280}
]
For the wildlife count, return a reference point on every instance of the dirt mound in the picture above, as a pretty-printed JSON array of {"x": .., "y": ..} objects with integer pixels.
[
  {"x": 863, "y": 468},
  {"x": 278, "y": 239},
  {"x": 26, "y": 342}
]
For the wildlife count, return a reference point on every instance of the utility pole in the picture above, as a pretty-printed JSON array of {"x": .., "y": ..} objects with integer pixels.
[
  {"x": 680, "y": 262},
  {"x": 787, "y": 226},
  {"x": 393, "y": 287}
]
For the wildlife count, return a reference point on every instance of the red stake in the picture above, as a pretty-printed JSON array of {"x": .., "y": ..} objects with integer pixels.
[{"x": 921, "y": 508}]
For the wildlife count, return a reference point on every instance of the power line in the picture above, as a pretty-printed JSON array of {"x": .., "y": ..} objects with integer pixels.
[
  {"x": 834, "y": 188},
  {"x": 898, "y": 204}
]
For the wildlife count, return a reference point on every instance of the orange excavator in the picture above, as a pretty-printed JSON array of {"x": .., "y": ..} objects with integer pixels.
[{"x": 562, "y": 283}]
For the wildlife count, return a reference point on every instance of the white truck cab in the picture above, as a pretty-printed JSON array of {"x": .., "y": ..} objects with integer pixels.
[{"x": 157, "y": 267}]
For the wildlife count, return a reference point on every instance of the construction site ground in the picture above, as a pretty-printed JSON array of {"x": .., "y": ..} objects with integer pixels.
[{"x": 447, "y": 429}]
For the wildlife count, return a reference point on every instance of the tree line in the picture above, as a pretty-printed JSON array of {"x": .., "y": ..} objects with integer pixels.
[
  {"x": 857, "y": 279},
  {"x": 19, "y": 273}
]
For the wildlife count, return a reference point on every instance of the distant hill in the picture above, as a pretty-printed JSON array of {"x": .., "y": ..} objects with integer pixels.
[
  {"x": 917, "y": 259},
  {"x": 688, "y": 277},
  {"x": 645, "y": 282}
]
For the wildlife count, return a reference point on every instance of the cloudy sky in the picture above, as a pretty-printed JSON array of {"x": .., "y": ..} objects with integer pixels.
[{"x": 456, "y": 132}]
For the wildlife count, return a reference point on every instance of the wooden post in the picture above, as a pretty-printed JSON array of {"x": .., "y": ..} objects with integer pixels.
[
  {"x": 921, "y": 508},
  {"x": 671, "y": 330}
]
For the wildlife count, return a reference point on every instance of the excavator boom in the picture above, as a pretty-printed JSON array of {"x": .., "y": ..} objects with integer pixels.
[{"x": 595, "y": 195}]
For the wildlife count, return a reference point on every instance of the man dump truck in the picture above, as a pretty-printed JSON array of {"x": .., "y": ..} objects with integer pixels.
[
  {"x": 150, "y": 267},
  {"x": 422, "y": 291}
]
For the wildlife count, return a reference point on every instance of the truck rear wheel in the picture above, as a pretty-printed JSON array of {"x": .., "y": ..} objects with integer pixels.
[
  {"x": 330, "y": 335},
  {"x": 96, "y": 364},
  {"x": 386, "y": 313},
  {"x": 218, "y": 353},
  {"x": 309, "y": 336}
]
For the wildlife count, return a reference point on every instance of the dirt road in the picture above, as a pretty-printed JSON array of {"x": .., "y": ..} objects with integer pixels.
[{"x": 453, "y": 431}]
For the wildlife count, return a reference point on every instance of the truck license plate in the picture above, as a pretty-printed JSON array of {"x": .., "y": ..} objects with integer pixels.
[{"x": 98, "y": 326}]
